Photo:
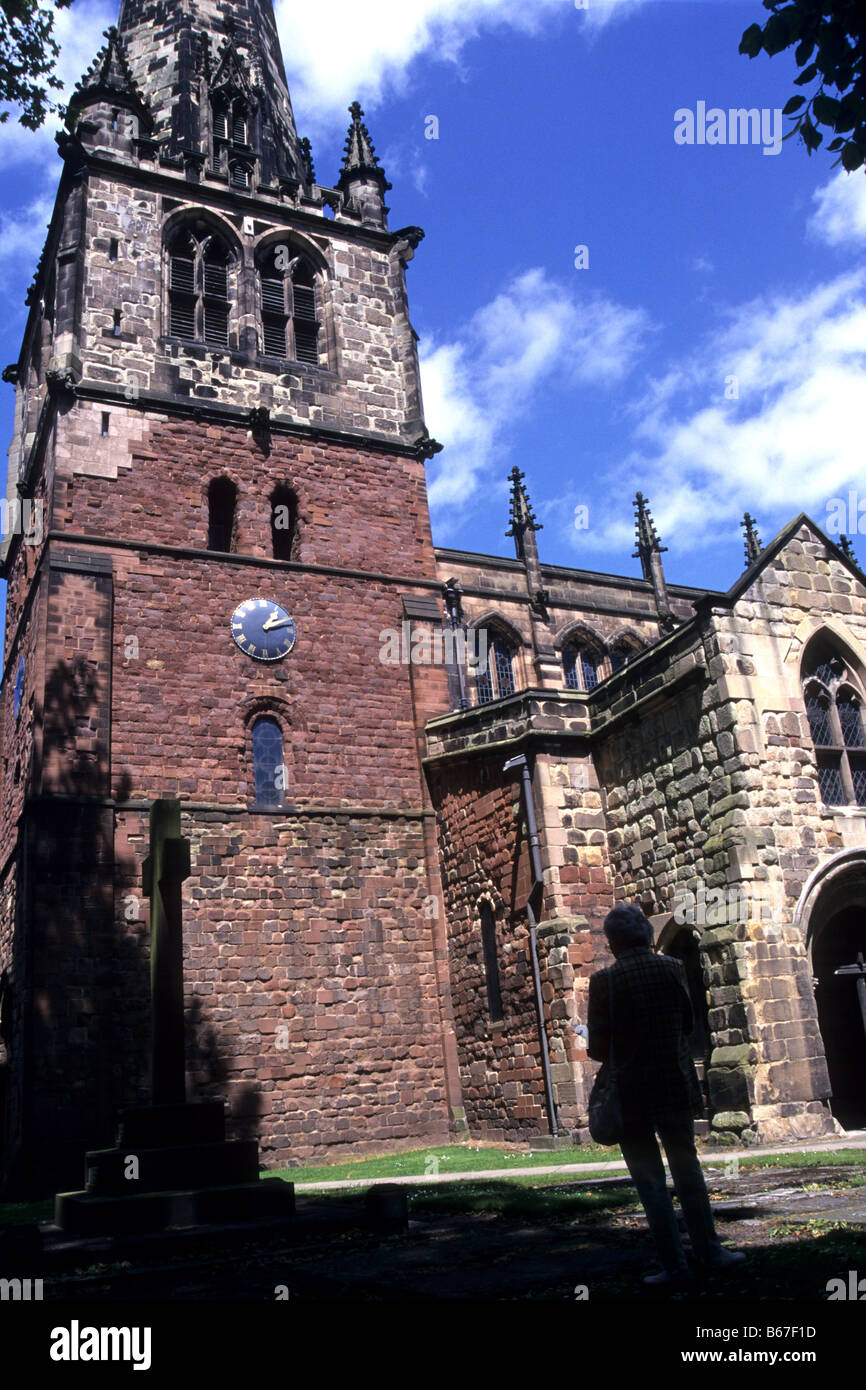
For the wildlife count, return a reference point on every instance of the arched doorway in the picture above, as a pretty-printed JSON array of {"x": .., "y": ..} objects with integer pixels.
[
  {"x": 837, "y": 943},
  {"x": 832, "y": 910}
]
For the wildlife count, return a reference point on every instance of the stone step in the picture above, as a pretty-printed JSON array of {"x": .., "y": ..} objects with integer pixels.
[
  {"x": 79, "y": 1214},
  {"x": 113, "y": 1173}
]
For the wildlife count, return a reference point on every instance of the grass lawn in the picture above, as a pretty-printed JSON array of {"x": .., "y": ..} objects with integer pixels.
[
  {"x": 461, "y": 1158},
  {"x": 454, "y": 1158}
]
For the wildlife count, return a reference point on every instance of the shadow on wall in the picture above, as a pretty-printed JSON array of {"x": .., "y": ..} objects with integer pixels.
[{"x": 80, "y": 1044}]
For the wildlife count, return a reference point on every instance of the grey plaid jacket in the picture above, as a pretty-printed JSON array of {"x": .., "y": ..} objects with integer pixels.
[{"x": 652, "y": 1018}]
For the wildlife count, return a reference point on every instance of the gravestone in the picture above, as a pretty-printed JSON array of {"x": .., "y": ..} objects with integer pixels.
[{"x": 172, "y": 1164}]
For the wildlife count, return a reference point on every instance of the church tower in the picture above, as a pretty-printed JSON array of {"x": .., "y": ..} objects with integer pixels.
[{"x": 219, "y": 413}]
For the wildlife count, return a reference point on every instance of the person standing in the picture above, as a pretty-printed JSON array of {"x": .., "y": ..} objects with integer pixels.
[{"x": 645, "y": 996}]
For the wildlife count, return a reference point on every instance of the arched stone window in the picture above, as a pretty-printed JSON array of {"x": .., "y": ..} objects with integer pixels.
[
  {"x": 290, "y": 306},
  {"x": 198, "y": 296},
  {"x": 269, "y": 770},
  {"x": 491, "y": 961},
  {"x": 834, "y": 708},
  {"x": 222, "y": 496},
  {"x": 581, "y": 663},
  {"x": 622, "y": 650},
  {"x": 284, "y": 520},
  {"x": 500, "y": 677}
]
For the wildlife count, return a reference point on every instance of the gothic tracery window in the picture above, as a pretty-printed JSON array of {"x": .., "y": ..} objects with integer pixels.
[
  {"x": 581, "y": 663},
  {"x": 834, "y": 708},
  {"x": 290, "y": 311},
  {"x": 199, "y": 288},
  {"x": 498, "y": 679},
  {"x": 622, "y": 651}
]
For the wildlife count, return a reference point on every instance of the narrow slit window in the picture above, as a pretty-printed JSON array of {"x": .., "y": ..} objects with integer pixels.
[
  {"x": 284, "y": 510},
  {"x": 269, "y": 770},
  {"x": 491, "y": 963},
  {"x": 222, "y": 503}
]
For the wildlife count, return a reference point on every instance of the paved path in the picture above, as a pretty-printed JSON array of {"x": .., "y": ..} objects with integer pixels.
[{"x": 855, "y": 1139}]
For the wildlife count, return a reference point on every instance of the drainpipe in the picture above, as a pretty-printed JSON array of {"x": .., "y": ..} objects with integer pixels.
[{"x": 533, "y": 903}]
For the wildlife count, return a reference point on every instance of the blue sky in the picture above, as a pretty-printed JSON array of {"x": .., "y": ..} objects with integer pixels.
[{"x": 712, "y": 353}]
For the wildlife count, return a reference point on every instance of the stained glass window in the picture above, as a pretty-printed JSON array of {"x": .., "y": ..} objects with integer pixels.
[
  {"x": 498, "y": 679},
  {"x": 833, "y": 708},
  {"x": 581, "y": 668}
]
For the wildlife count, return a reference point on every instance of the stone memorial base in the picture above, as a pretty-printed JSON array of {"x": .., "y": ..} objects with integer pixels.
[{"x": 172, "y": 1166}]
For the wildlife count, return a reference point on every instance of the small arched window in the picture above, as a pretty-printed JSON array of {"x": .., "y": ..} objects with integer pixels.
[
  {"x": 199, "y": 288},
  {"x": 491, "y": 961},
  {"x": 834, "y": 709},
  {"x": 290, "y": 313},
  {"x": 269, "y": 770},
  {"x": 581, "y": 663},
  {"x": 498, "y": 678},
  {"x": 621, "y": 652},
  {"x": 284, "y": 517},
  {"x": 222, "y": 499}
]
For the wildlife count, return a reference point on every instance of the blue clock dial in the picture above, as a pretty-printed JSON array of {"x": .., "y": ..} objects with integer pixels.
[
  {"x": 19, "y": 688},
  {"x": 262, "y": 629}
]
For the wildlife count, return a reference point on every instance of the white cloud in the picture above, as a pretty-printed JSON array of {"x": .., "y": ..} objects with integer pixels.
[
  {"x": 347, "y": 50},
  {"x": 22, "y": 233},
  {"x": 840, "y": 216},
  {"x": 477, "y": 385},
  {"x": 789, "y": 442}
]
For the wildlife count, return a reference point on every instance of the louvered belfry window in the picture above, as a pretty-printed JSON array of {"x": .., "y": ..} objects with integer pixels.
[
  {"x": 834, "y": 711},
  {"x": 290, "y": 318},
  {"x": 199, "y": 289},
  {"x": 232, "y": 133}
]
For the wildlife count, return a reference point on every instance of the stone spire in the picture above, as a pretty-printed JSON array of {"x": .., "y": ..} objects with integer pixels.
[
  {"x": 362, "y": 179},
  {"x": 109, "y": 79},
  {"x": 189, "y": 56},
  {"x": 753, "y": 543},
  {"x": 649, "y": 552},
  {"x": 523, "y": 523},
  {"x": 548, "y": 671}
]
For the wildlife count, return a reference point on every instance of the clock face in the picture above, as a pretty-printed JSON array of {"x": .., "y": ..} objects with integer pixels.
[
  {"x": 263, "y": 630},
  {"x": 19, "y": 687}
]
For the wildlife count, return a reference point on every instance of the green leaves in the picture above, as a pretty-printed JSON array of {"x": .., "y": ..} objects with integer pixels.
[
  {"x": 28, "y": 53},
  {"x": 829, "y": 41},
  {"x": 825, "y": 109},
  {"x": 752, "y": 41}
]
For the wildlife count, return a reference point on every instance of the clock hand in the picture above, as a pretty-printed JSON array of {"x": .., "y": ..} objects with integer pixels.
[{"x": 274, "y": 622}]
